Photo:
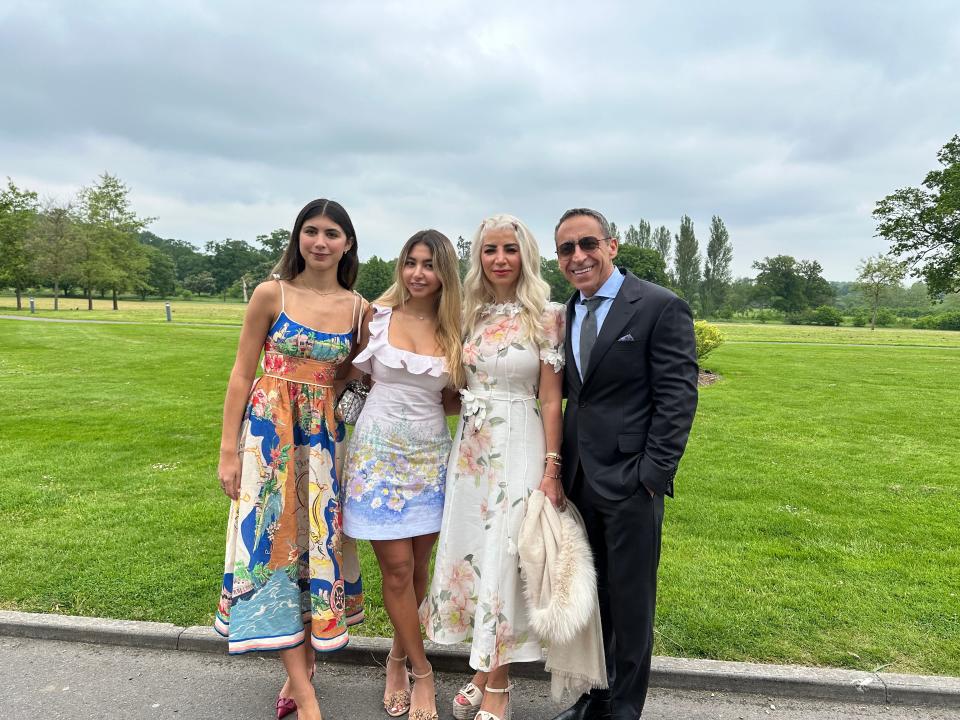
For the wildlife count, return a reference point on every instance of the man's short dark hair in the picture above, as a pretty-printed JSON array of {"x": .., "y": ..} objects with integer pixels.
[{"x": 596, "y": 215}]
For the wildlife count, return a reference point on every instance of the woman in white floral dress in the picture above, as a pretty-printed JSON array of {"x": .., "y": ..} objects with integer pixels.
[
  {"x": 506, "y": 445},
  {"x": 395, "y": 470}
]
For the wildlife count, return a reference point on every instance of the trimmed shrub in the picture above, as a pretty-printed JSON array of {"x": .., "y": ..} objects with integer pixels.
[{"x": 709, "y": 338}]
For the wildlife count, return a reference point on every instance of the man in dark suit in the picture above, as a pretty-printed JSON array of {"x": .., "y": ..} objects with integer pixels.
[{"x": 631, "y": 385}]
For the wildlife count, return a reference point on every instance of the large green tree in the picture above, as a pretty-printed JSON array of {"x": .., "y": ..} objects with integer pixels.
[
  {"x": 374, "y": 276},
  {"x": 716, "y": 268},
  {"x": 790, "y": 286},
  {"x": 923, "y": 224},
  {"x": 187, "y": 259},
  {"x": 18, "y": 215},
  {"x": 816, "y": 289},
  {"x": 876, "y": 277},
  {"x": 661, "y": 240},
  {"x": 161, "y": 278},
  {"x": 230, "y": 260},
  {"x": 560, "y": 287},
  {"x": 119, "y": 262},
  {"x": 645, "y": 263},
  {"x": 274, "y": 244},
  {"x": 639, "y": 235},
  {"x": 53, "y": 246},
  {"x": 686, "y": 262}
]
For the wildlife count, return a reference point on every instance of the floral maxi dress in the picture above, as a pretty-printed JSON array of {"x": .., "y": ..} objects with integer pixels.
[
  {"x": 476, "y": 594},
  {"x": 287, "y": 562}
]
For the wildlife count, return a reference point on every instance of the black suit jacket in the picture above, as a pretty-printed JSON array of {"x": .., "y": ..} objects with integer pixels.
[{"x": 627, "y": 422}]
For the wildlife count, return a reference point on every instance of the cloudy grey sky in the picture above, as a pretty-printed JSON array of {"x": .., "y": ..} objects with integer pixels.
[{"x": 787, "y": 119}]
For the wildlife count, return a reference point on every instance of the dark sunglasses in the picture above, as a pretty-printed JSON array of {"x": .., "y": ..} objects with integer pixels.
[{"x": 587, "y": 244}]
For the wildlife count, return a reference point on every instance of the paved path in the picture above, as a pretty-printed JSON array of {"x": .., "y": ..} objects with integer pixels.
[{"x": 51, "y": 679}]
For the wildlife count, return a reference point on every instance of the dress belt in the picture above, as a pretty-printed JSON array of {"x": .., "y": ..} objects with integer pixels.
[{"x": 299, "y": 370}]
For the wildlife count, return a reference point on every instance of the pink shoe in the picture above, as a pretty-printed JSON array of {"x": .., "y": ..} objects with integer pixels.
[{"x": 285, "y": 706}]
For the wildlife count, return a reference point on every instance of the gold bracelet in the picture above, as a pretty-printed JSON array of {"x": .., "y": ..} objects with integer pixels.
[
  {"x": 553, "y": 456},
  {"x": 552, "y": 477}
]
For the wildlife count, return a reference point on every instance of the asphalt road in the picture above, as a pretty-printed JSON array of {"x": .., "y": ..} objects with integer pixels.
[{"x": 49, "y": 680}]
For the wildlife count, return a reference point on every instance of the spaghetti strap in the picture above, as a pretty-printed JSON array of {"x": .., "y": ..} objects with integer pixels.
[
  {"x": 357, "y": 311},
  {"x": 283, "y": 300}
]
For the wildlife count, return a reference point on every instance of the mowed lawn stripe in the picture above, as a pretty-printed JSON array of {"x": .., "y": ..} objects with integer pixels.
[{"x": 815, "y": 519}]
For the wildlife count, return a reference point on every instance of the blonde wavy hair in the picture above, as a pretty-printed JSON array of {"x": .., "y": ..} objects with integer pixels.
[
  {"x": 532, "y": 290},
  {"x": 447, "y": 268}
]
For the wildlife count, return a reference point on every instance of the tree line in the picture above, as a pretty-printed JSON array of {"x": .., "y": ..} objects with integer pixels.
[{"x": 95, "y": 243}]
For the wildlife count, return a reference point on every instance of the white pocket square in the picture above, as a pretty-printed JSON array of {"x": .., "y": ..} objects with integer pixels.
[{"x": 626, "y": 338}]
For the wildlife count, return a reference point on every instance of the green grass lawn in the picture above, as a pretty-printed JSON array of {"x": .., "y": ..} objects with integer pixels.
[
  {"x": 816, "y": 517},
  {"x": 773, "y": 332}
]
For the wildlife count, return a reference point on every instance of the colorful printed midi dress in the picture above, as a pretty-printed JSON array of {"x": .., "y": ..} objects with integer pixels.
[
  {"x": 395, "y": 471},
  {"x": 288, "y": 563},
  {"x": 476, "y": 594}
]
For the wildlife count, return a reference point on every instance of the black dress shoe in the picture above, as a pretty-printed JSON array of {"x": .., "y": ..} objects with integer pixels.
[{"x": 586, "y": 708}]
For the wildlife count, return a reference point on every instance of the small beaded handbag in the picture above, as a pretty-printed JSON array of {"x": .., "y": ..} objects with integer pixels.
[{"x": 351, "y": 401}]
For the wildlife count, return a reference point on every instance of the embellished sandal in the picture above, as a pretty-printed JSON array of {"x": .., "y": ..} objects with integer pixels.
[
  {"x": 486, "y": 715},
  {"x": 474, "y": 696},
  {"x": 420, "y": 713},
  {"x": 397, "y": 703}
]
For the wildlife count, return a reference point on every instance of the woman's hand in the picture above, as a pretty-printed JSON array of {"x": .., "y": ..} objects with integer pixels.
[
  {"x": 551, "y": 487},
  {"x": 229, "y": 473}
]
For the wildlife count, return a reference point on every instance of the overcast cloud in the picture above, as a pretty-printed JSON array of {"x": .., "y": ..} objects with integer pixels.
[{"x": 789, "y": 120}]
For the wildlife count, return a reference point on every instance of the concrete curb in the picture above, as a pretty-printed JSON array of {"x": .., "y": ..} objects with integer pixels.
[{"x": 675, "y": 673}]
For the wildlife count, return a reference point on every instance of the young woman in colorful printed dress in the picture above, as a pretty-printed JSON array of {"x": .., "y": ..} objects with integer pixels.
[
  {"x": 395, "y": 471},
  {"x": 289, "y": 583},
  {"x": 507, "y": 445}
]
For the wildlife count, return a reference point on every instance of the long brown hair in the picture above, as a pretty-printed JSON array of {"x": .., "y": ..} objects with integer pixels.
[
  {"x": 446, "y": 266},
  {"x": 292, "y": 263}
]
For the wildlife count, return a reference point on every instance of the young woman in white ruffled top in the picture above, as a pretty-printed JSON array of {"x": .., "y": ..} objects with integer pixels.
[
  {"x": 507, "y": 445},
  {"x": 395, "y": 470}
]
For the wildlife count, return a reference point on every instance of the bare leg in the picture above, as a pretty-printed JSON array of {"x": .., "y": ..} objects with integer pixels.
[
  {"x": 309, "y": 657},
  {"x": 496, "y": 703},
  {"x": 422, "y": 548},
  {"x": 300, "y": 687},
  {"x": 396, "y": 559}
]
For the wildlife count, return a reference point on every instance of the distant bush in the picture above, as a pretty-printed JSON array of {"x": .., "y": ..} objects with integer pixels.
[
  {"x": 826, "y": 315},
  {"x": 885, "y": 317},
  {"x": 709, "y": 338},
  {"x": 186, "y": 294},
  {"x": 765, "y": 316},
  {"x": 943, "y": 321},
  {"x": 861, "y": 317}
]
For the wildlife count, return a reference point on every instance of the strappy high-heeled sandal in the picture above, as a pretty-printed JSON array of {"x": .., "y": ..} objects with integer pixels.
[
  {"x": 474, "y": 697},
  {"x": 397, "y": 703},
  {"x": 420, "y": 713},
  {"x": 486, "y": 715}
]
